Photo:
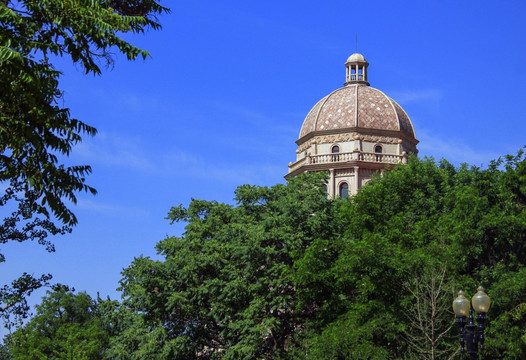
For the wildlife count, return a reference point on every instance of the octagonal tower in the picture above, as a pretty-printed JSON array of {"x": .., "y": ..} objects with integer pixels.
[{"x": 353, "y": 132}]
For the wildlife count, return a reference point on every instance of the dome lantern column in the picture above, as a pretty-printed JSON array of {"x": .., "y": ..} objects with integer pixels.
[{"x": 356, "y": 70}]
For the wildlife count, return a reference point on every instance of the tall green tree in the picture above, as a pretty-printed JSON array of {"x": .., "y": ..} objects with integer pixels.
[
  {"x": 36, "y": 132},
  {"x": 227, "y": 288},
  {"x": 66, "y": 326},
  {"x": 470, "y": 222}
]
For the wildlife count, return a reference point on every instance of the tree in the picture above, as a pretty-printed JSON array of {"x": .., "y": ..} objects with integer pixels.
[
  {"x": 429, "y": 316},
  {"x": 287, "y": 273},
  {"x": 36, "y": 133},
  {"x": 227, "y": 288},
  {"x": 66, "y": 326},
  {"x": 470, "y": 222}
]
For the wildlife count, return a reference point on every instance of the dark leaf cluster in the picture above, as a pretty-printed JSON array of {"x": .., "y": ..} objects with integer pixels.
[{"x": 37, "y": 134}]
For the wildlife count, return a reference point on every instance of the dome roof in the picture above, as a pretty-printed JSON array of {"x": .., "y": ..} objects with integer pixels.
[
  {"x": 357, "y": 106},
  {"x": 356, "y": 58}
]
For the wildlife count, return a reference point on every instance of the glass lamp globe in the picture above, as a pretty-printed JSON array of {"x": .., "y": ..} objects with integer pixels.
[
  {"x": 481, "y": 301},
  {"x": 461, "y": 305}
]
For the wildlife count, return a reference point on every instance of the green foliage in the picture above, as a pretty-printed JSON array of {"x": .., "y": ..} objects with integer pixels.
[
  {"x": 66, "y": 326},
  {"x": 4, "y": 352},
  {"x": 227, "y": 288},
  {"x": 36, "y": 133},
  {"x": 14, "y": 295},
  {"x": 84, "y": 30},
  {"x": 467, "y": 221},
  {"x": 287, "y": 273},
  {"x": 506, "y": 336},
  {"x": 274, "y": 278},
  {"x": 34, "y": 130}
]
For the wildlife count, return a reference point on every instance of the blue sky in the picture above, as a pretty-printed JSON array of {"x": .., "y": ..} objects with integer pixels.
[{"x": 222, "y": 100}]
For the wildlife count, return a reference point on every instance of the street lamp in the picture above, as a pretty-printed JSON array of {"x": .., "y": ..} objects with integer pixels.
[{"x": 470, "y": 334}]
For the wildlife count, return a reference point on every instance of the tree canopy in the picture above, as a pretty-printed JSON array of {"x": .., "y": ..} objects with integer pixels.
[
  {"x": 227, "y": 288},
  {"x": 66, "y": 326},
  {"x": 288, "y": 273},
  {"x": 431, "y": 226},
  {"x": 36, "y": 132}
]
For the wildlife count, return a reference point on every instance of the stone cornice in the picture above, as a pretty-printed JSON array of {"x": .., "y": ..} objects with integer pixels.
[
  {"x": 338, "y": 166},
  {"x": 324, "y": 137},
  {"x": 351, "y": 134}
]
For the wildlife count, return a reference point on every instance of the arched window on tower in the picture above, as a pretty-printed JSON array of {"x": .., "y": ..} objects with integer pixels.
[
  {"x": 344, "y": 190},
  {"x": 378, "y": 150},
  {"x": 335, "y": 150}
]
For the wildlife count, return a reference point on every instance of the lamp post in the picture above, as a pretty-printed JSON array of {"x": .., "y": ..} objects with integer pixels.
[{"x": 471, "y": 335}]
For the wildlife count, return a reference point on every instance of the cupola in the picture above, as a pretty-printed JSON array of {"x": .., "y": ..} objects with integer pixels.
[{"x": 356, "y": 70}]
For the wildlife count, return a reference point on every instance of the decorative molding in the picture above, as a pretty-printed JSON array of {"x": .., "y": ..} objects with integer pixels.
[
  {"x": 381, "y": 139},
  {"x": 346, "y": 137},
  {"x": 358, "y": 130},
  {"x": 344, "y": 172},
  {"x": 327, "y": 139}
]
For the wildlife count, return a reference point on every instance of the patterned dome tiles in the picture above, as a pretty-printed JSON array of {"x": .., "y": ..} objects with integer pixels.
[
  {"x": 405, "y": 123},
  {"x": 337, "y": 112},
  {"x": 310, "y": 121},
  {"x": 375, "y": 111}
]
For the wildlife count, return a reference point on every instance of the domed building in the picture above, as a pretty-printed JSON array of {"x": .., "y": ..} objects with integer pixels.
[{"x": 353, "y": 132}]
